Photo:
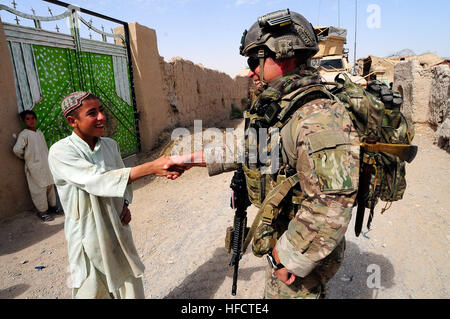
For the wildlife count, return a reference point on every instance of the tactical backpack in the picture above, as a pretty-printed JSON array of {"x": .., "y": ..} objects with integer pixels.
[{"x": 385, "y": 135}]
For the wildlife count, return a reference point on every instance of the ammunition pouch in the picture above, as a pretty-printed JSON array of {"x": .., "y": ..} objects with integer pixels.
[
  {"x": 255, "y": 185},
  {"x": 264, "y": 240},
  {"x": 392, "y": 179}
]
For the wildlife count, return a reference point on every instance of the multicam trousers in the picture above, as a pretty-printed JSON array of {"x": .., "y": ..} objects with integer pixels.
[{"x": 313, "y": 286}]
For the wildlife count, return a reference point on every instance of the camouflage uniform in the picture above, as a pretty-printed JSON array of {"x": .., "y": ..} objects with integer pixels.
[
  {"x": 305, "y": 200},
  {"x": 313, "y": 244},
  {"x": 320, "y": 142}
]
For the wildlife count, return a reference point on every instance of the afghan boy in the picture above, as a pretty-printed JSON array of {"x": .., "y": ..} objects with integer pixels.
[
  {"x": 94, "y": 188},
  {"x": 32, "y": 148}
]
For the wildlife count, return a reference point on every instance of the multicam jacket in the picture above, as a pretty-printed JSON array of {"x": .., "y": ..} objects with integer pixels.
[{"x": 319, "y": 143}]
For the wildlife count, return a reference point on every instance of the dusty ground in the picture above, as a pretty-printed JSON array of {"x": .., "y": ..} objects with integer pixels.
[{"x": 179, "y": 229}]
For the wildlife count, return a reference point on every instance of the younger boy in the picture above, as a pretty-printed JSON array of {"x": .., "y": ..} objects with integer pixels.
[
  {"x": 31, "y": 147},
  {"x": 94, "y": 187}
]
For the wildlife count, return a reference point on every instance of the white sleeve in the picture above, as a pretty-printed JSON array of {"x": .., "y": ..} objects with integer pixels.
[
  {"x": 19, "y": 147},
  {"x": 68, "y": 167}
]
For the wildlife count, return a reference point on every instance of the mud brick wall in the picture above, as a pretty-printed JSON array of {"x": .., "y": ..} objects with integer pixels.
[
  {"x": 440, "y": 105},
  {"x": 426, "y": 95},
  {"x": 175, "y": 93},
  {"x": 14, "y": 194}
]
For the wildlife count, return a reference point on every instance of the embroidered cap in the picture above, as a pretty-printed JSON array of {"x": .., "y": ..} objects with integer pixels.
[{"x": 73, "y": 101}]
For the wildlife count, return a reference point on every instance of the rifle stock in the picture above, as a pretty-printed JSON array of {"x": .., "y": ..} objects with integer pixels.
[{"x": 404, "y": 151}]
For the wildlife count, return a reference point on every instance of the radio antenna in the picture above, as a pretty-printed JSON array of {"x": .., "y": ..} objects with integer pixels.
[{"x": 356, "y": 27}]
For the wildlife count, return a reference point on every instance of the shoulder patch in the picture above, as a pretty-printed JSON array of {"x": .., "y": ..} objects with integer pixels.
[{"x": 326, "y": 139}]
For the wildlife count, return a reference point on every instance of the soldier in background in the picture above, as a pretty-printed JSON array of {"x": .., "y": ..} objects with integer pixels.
[{"x": 307, "y": 193}]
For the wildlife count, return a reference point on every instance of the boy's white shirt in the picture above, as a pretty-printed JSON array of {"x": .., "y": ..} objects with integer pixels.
[
  {"x": 92, "y": 186},
  {"x": 31, "y": 147}
]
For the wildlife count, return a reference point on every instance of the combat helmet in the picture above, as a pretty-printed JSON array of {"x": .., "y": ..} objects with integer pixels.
[{"x": 283, "y": 33}]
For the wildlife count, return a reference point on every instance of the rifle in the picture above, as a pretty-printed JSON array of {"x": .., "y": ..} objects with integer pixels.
[
  {"x": 404, "y": 151},
  {"x": 236, "y": 234}
]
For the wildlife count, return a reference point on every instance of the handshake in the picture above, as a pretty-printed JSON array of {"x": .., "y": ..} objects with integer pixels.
[{"x": 173, "y": 166}]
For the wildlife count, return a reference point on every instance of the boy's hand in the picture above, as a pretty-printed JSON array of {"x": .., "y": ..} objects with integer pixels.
[
  {"x": 158, "y": 167},
  {"x": 163, "y": 166},
  {"x": 125, "y": 217},
  {"x": 177, "y": 163},
  {"x": 184, "y": 162}
]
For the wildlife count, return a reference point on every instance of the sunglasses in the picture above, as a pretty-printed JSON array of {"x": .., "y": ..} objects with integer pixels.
[{"x": 253, "y": 61}]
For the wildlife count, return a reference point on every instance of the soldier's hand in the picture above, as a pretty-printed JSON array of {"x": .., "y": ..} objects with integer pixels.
[
  {"x": 285, "y": 276},
  {"x": 282, "y": 274},
  {"x": 164, "y": 167}
]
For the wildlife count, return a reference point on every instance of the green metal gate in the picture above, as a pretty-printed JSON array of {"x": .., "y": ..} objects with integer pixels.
[{"x": 50, "y": 65}]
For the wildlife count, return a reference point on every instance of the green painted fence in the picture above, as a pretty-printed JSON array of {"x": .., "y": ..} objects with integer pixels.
[{"x": 48, "y": 66}]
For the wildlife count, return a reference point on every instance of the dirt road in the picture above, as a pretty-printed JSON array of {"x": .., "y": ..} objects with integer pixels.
[{"x": 179, "y": 229}]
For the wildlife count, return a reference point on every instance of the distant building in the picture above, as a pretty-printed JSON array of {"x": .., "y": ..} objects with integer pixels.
[{"x": 376, "y": 68}]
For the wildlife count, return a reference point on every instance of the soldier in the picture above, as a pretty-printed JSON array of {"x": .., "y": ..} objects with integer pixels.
[{"x": 307, "y": 194}]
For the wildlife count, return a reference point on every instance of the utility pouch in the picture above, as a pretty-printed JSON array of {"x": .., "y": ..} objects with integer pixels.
[
  {"x": 264, "y": 240},
  {"x": 396, "y": 129},
  {"x": 271, "y": 112},
  {"x": 254, "y": 185}
]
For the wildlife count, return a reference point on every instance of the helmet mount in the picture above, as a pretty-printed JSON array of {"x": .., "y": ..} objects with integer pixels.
[{"x": 285, "y": 33}]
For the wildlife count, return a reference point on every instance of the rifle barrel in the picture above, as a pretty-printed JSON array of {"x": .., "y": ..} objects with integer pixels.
[{"x": 235, "y": 276}]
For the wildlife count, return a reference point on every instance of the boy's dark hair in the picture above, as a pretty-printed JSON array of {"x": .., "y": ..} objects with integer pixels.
[
  {"x": 23, "y": 114},
  {"x": 74, "y": 112}
]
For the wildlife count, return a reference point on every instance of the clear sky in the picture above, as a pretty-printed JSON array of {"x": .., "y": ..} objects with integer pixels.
[{"x": 209, "y": 31}]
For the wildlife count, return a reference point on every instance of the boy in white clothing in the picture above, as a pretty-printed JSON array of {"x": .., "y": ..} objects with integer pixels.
[
  {"x": 32, "y": 148},
  {"x": 94, "y": 186}
]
